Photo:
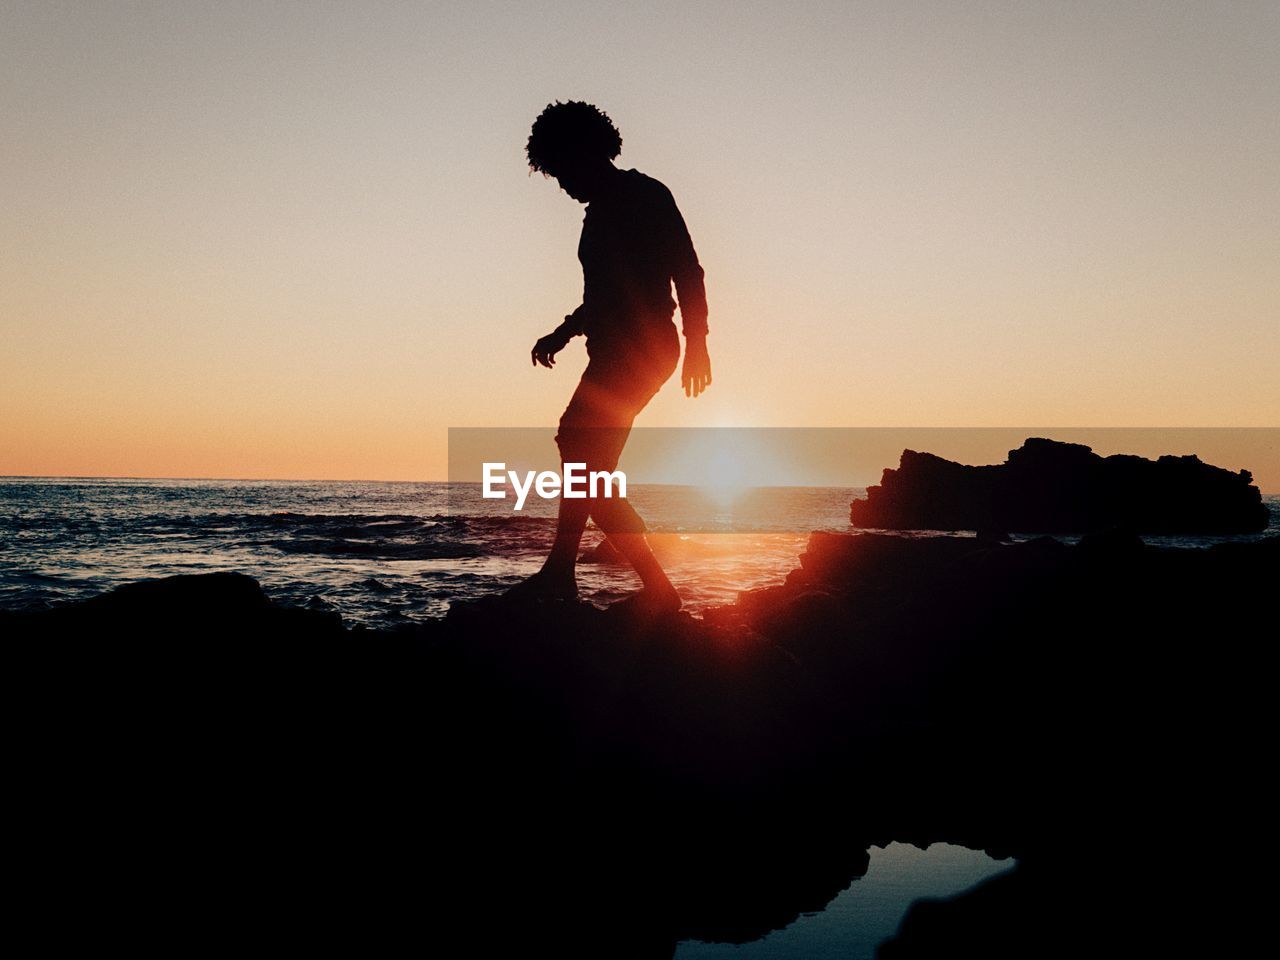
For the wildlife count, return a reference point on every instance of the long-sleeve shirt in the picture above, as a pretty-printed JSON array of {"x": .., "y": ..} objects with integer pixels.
[{"x": 634, "y": 245}]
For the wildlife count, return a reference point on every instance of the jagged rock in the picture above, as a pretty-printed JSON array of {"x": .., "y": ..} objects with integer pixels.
[
  {"x": 642, "y": 782},
  {"x": 1050, "y": 487}
]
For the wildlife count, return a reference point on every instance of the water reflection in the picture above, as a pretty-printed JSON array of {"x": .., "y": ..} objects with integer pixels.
[{"x": 869, "y": 911}]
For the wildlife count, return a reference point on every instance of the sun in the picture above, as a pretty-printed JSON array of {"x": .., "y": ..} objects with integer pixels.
[
  {"x": 723, "y": 462},
  {"x": 725, "y": 478}
]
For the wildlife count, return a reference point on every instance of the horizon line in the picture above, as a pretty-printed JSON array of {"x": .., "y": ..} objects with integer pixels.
[{"x": 640, "y": 483}]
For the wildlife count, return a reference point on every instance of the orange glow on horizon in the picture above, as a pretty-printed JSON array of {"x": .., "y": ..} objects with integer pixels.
[{"x": 305, "y": 244}]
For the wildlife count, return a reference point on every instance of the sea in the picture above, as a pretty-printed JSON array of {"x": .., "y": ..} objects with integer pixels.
[{"x": 384, "y": 553}]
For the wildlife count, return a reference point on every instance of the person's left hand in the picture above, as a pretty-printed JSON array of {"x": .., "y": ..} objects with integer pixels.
[{"x": 695, "y": 375}]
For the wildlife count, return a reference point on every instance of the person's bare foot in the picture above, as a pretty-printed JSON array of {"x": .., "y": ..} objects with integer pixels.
[
  {"x": 542, "y": 586},
  {"x": 649, "y": 602}
]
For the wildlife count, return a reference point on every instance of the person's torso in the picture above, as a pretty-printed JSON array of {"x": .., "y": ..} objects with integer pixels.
[{"x": 625, "y": 261}]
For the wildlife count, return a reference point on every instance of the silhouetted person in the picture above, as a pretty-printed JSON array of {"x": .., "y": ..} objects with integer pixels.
[{"x": 634, "y": 244}]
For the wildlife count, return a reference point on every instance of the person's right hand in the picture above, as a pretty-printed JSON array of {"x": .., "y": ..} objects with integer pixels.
[
  {"x": 545, "y": 350},
  {"x": 695, "y": 376}
]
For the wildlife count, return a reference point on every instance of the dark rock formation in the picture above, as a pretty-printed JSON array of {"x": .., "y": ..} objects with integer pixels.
[
  {"x": 194, "y": 762},
  {"x": 1051, "y": 487}
]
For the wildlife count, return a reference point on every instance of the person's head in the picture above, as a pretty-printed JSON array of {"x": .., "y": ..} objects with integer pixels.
[{"x": 576, "y": 143}]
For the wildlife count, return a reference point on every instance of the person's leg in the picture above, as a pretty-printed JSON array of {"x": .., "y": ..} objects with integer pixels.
[
  {"x": 635, "y": 384},
  {"x": 557, "y": 577},
  {"x": 582, "y": 440},
  {"x": 593, "y": 430},
  {"x": 570, "y": 524},
  {"x": 625, "y": 528}
]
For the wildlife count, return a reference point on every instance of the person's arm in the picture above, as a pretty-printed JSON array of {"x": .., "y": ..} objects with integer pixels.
[
  {"x": 573, "y": 325},
  {"x": 686, "y": 272},
  {"x": 688, "y": 276}
]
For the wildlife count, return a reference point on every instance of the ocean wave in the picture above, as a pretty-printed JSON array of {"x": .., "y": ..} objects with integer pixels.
[
  {"x": 404, "y": 551},
  {"x": 379, "y": 550}
]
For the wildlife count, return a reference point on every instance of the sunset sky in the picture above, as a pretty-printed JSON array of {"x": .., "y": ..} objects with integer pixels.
[{"x": 301, "y": 240}]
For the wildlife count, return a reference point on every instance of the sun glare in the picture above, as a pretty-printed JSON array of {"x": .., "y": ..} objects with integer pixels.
[
  {"x": 727, "y": 465},
  {"x": 725, "y": 477}
]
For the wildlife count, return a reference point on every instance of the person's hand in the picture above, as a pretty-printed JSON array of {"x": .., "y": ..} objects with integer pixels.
[
  {"x": 545, "y": 350},
  {"x": 695, "y": 375}
]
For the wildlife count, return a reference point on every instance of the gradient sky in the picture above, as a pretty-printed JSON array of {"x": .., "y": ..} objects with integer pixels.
[{"x": 302, "y": 240}]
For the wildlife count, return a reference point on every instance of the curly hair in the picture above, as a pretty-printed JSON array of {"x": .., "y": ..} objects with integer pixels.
[{"x": 572, "y": 129}]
